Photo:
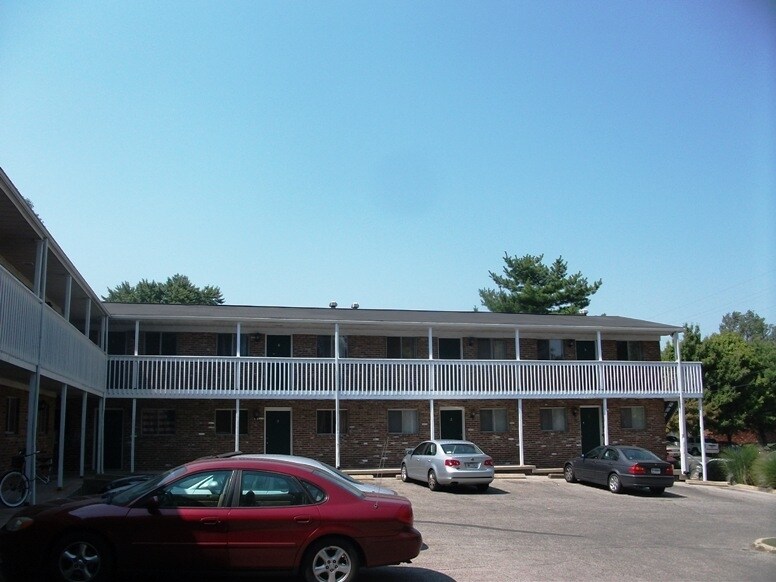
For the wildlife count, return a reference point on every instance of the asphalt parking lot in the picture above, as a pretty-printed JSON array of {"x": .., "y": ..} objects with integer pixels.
[
  {"x": 538, "y": 528},
  {"x": 546, "y": 529}
]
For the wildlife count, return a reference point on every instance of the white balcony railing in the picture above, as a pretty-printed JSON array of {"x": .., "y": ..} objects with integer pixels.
[
  {"x": 32, "y": 334},
  {"x": 223, "y": 377}
]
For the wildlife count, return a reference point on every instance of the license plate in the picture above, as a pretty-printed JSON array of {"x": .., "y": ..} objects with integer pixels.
[
  {"x": 655, "y": 470},
  {"x": 472, "y": 465}
]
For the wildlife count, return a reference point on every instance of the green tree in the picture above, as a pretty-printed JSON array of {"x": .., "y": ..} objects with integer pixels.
[
  {"x": 529, "y": 286},
  {"x": 178, "y": 289},
  {"x": 748, "y": 325}
]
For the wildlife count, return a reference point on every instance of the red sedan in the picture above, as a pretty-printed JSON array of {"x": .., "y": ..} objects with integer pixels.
[{"x": 215, "y": 515}]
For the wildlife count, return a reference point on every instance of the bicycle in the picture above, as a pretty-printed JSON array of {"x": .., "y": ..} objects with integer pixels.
[{"x": 15, "y": 485}]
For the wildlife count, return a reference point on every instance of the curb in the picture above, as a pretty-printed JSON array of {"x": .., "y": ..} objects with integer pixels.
[{"x": 765, "y": 545}]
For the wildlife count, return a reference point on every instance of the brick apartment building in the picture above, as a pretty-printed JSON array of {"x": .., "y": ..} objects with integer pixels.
[{"x": 127, "y": 387}]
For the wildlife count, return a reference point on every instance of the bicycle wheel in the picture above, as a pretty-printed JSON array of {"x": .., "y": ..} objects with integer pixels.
[{"x": 14, "y": 488}]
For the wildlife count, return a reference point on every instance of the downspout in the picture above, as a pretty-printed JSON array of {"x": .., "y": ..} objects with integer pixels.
[
  {"x": 431, "y": 379},
  {"x": 336, "y": 396},
  {"x": 521, "y": 448}
]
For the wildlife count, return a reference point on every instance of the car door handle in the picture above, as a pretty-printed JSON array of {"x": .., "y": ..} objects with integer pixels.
[
  {"x": 209, "y": 521},
  {"x": 302, "y": 519}
]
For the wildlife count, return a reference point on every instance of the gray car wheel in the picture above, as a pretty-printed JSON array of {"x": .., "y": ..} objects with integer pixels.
[
  {"x": 615, "y": 485},
  {"x": 404, "y": 476},
  {"x": 331, "y": 560},
  {"x": 82, "y": 557},
  {"x": 433, "y": 484},
  {"x": 568, "y": 473}
]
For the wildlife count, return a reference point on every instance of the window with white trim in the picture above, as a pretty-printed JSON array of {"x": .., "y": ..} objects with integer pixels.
[
  {"x": 157, "y": 422},
  {"x": 402, "y": 347},
  {"x": 12, "y": 415},
  {"x": 633, "y": 417},
  {"x": 551, "y": 349},
  {"x": 326, "y": 421},
  {"x": 552, "y": 419},
  {"x": 225, "y": 421},
  {"x": 493, "y": 420},
  {"x": 491, "y": 349},
  {"x": 403, "y": 421}
]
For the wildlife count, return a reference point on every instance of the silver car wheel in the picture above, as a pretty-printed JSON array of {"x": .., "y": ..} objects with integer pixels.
[
  {"x": 568, "y": 474},
  {"x": 615, "y": 485},
  {"x": 335, "y": 561},
  {"x": 433, "y": 484},
  {"x": 82, "y": 558},
  {"x": 404, "y": 476}
]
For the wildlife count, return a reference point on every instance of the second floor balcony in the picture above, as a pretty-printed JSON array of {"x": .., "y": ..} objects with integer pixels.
[{"x": 373, "y": 379}]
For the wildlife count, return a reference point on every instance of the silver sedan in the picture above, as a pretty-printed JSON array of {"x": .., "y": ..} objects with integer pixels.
[{"x": 448, "y": 462}]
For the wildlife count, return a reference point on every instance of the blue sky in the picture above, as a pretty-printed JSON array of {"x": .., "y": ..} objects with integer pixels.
[{"x": 390, "y": 153}]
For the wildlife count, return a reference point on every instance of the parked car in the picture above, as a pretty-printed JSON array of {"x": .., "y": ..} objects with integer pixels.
[
  {"x": 673, "y": 446},
  {"x": 621, "y": 467},
  {"x": 366, "y": 487},
  {"x": 448, "y": 462},
  {"x": 234, "y": 514}
]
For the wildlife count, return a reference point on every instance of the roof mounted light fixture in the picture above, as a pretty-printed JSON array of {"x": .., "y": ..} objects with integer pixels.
[
  {"x": 333, "y": 304},
  {"x": 354, "y": 305}
]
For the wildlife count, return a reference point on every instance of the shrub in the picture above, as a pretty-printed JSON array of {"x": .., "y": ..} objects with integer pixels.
[
  {"x": 740, "y": 464},
  {"x": 765, "y": 469}
]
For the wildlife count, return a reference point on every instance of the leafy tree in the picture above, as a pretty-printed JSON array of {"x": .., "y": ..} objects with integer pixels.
[
  {"x": 749, "y": 326},
  {"x": 529, "y": 286},
  {"x": 178, "y": 289}
]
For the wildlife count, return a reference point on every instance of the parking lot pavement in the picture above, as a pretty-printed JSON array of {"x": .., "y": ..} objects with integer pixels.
[
  {"x": 538, "y": 528},
  {"x": 546, "y": 529}
]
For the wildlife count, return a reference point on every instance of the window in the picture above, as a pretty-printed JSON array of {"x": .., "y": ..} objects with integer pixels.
[
  {"x": 117, "y": 343},
  {"x": 633, "y": 417},
  {"x": 491, "y": 349},
  {"x": 227, "y": 344},
  {"x": 402, "y": 347},
  {"x": 225, "y": 421},
  {"x": 278, "y": 346},
  {"x": 493, "y": 420},
  {"x": 449, "y": 348},
  {"x": 551, "y": 349},
  {"x": 326, "y": 421},
  {"x": 403, "y": 421},
  {"x": 264, "y": 489},
  {"x": 630, "y": 351},
  {"x": 585, "y": 350},
  {"x": 197, "y": 490},
  {"x": 157, "y": 422},
  {"x": 159, "y": 343},
  {"x": 12, "y": 415},
  {"x": 326, "y": 346},
  {"x": 552, "y": 419}
]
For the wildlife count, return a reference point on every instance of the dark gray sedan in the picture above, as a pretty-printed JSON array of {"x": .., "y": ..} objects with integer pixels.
[{"x": 620, "y": 467}]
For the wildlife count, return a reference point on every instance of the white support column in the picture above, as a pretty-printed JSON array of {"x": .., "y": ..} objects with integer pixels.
[
  {"x": 238, "y": 387},
  {"x": 101, "y": 437},
  {"x": 682, "y": 417},
  {"x": 521, "y": 448},
  {"x": 87, "y": 317},
  {"x": 32, "y": 430},
  {"x": 431, "y": 387},
  {"x": 520, "y": 429},
  {"x": 82, "y": 453},
  {"x": 336, "y": 396},
  {"x": 703, "y": 437},
  {"x": 606, "y": 421},
  {"x": 68, "y": 297},
  {"x": 61, "y": 448},
  {"x": 133, "y": 436}
]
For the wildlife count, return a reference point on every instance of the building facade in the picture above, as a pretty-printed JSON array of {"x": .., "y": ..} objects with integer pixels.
[{"x": 128, "y": 387}]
